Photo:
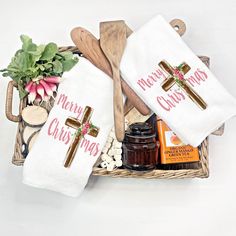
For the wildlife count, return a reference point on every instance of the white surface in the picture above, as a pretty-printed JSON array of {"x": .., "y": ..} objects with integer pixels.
[{"x": 123, "y": 206}]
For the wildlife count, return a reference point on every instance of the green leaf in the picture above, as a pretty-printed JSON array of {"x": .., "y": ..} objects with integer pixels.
[
  {"x": 26, "y": 40},
  {"x": 49, "y": 51},
  {"x": 18, "y": 51},
  {"x": 41, "y": 67},
  {"x": 48, "y": 65},
  {"x": 27, "y": 45},
  {"x": 69, "y": 64},
  {"x": 22, "y": 92},
  {"x": 66, "y": 55},
  {"x": 57, "y": 67},
  {"x": 37, "y": 54},
  {"x": 21, "y": 62},
  {"x": 5, "y": 74}
]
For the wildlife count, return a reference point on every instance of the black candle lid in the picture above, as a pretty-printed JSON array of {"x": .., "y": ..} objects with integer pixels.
[{"x": 140, "y": 130}]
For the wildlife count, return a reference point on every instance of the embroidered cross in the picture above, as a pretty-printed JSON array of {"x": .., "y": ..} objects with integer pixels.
[
  {"x": 176, "y": 76},
  {"x": 83, "y": 127}
]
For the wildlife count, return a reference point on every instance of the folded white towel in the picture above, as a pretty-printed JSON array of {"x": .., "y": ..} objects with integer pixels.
[
  {"x": 44, "y": 167},
  {"x": 157, "y": 42}
]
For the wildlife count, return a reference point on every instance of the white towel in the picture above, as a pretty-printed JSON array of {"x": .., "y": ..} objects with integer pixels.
[
  {"x": 85, "y": 85},
  {"x": 146, "y": 48}
]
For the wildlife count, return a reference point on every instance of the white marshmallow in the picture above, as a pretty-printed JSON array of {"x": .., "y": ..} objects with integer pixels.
[
  {"x": 104, "y": 156},
  {"x": 111, "y": 152},
  {"x": 112, "y": 135},
  {"x": 117, "y": 151},
  {"x": 104, "y": 150},
  {"x": 108, "y": 159},
  {"x": 117, "y": 145},
  {"x": 104, "y": 164},
  {"x": 110, "y": 139},
  {"x": 111, "y": 166},
  {"x": 117, "y": 157},
  {"x": 118, "y": 163},
  {"x": 108, "y": 145}
]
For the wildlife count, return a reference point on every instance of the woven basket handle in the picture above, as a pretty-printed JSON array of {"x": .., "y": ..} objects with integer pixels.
[{"x": 8, "y": 107}]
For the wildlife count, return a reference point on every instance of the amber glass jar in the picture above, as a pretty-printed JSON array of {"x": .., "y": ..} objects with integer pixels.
[{"x": 140, "y": 147}]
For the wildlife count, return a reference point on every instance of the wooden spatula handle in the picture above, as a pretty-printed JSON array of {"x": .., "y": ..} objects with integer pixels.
[{"x": 118, "y": 106}]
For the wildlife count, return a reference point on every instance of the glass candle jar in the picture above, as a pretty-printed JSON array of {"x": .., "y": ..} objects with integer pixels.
[{"x": 139, "y": 147}]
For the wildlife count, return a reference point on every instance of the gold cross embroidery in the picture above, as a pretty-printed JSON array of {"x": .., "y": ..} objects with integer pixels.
[
  {"x": 82, "y": 127},
  {"x": 176, "y": 76}
]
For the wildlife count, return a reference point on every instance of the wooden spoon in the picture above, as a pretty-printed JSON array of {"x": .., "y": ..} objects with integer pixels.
[
  {"x": 112, "y": 42},
  {"x": 89, "y": 46}
]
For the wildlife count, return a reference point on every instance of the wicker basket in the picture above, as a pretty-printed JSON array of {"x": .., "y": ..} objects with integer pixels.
[{"x": 19, "y": 156}]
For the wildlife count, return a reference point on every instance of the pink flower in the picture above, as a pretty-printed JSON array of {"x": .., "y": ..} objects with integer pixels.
[
  {"x": 178, "y": 74},
  {"x": 85, "y": 128},
  {"x": 84, "y": 131},
  {"x": 87, "y": 125}
]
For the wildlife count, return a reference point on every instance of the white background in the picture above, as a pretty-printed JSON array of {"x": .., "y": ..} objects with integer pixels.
[{"x": 122, "y": 206}]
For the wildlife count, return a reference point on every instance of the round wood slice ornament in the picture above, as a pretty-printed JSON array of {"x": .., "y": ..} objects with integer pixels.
[
  {"x": 34, "y": 116},
  {"x": 28, "y": 131},
  {"x": 32, "y": 140}
]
